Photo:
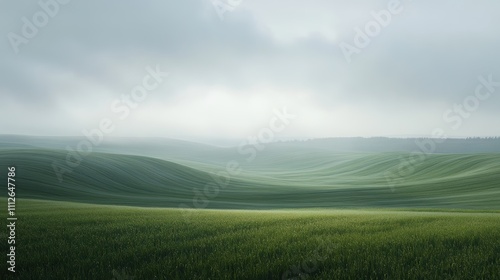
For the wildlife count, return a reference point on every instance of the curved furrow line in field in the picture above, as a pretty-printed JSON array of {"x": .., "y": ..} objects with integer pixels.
[{"x": 344, "y": 180}]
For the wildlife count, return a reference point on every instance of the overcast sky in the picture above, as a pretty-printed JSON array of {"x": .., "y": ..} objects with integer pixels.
[{"x": 227, "y": 75}]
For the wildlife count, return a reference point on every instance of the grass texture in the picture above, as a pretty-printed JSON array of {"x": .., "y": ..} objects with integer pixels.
[{"x": 59, "y": 240}]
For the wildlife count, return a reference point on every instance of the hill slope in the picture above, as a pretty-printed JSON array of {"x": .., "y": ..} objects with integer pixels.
[{"x": 285, "y": 181}]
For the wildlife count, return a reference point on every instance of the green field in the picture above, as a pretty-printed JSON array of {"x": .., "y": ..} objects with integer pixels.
[
  {"x": 77, "y": 241},
  {"x": 297, "y": 211},
  {"x": 308, "y": 180}
]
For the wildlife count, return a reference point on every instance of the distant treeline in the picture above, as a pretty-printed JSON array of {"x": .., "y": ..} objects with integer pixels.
[{"x": 178, "y": 148}]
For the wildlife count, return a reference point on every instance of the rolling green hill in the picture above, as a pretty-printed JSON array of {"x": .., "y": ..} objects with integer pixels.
[
  {"x": 274, "y": 180},
  {"x": 334, "y": 214}
]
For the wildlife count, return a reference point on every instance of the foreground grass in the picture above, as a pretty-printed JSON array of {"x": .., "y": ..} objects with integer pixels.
[{"x": 76, "y": 241}]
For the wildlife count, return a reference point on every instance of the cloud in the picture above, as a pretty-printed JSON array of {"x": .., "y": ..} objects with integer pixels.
[{"x": 92, "y": 52}]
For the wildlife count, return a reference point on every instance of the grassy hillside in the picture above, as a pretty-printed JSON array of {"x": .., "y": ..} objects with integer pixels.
[
  {"x": 179, "y": 150},
  {"x": 152, "y": 147},
  {"x": 75, "y": 241},
  {"x": 286, "y": 180},
  {"x": 295, "y": 212}
]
